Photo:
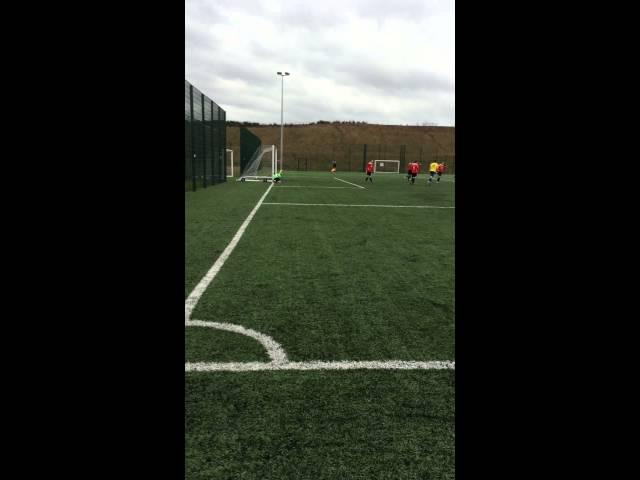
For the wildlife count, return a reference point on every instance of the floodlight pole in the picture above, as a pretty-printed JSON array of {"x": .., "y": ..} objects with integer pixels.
[{"x": 282, "y": 119}]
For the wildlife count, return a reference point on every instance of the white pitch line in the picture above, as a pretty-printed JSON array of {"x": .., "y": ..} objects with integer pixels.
[
  {"x": 197, "y": 292},
  {"x": 319, "y": 365},
  {"x": 307, "y": 175},
  {"x": 340, "y": 180},
  {"x": 349, "y": 205},
  {"x": 274, "y": 349},
  {"x": 307, "y": 186}
]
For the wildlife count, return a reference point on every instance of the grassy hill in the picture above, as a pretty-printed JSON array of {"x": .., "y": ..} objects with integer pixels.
[{"x": 316, "y": 146}]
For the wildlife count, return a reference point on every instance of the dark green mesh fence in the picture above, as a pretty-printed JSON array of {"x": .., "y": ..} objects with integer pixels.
[{"x": 204, "y": 140}]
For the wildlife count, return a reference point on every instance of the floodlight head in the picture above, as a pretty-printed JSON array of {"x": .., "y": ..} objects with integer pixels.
[
  {"x": 287, "y": 73},
  {"x": 279, "y": 73}
]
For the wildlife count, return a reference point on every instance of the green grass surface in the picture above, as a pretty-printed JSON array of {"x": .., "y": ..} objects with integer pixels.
[
  {"x": 213, "y": 216},
  {"x": 320, "y": 425},
  {"x": 209, "y": 345},
  {"x": 327, "y": 283}
]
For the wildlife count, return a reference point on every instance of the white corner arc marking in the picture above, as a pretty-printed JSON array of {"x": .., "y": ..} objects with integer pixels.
[{"x": 273, "y": 348}]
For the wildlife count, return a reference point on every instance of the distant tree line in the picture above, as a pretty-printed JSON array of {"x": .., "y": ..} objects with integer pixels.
[{"x": 233, "y": 123}]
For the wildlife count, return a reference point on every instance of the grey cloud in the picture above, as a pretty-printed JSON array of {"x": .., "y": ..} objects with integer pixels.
[
  {"x": 402, "y": 80},
  {"x": 196, "y": 40},
  {"x": 405, "y": 9},
  {"x": 215, "y": 9},
  {"x": 256, "y": 102},
  {"x": 307, "y": 18},
  {"x": 226, "y": 69},
  {"x": 376, "y": 76},
  {"x": 310, "y": 107},
  {"x": 313, "y": 52},
  {"x": 261, "y": 51},
  {"x": 204, "y": 11},
  {"x": 324, "y": 57}
]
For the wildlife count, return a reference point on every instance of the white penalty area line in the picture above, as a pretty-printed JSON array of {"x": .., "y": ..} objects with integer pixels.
[
  {"x": 317, "y": 365},
  {"x": 349, "y": 205},
  {"x": 308, "y": 186},
  {"x": 194, "y": 296},
  {"x": 340, "y": 180},
  {"x": 303, "y": 174}
]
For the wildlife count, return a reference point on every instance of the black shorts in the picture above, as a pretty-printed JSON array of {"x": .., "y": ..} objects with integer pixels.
[
  {"x": 432, "y": 174},
  {"x": 414, "y": 175},
  {"x": 369, "y": 173}
]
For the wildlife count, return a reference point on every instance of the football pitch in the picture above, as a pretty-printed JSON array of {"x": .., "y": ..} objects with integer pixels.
[{"x": 319, "y": 320}]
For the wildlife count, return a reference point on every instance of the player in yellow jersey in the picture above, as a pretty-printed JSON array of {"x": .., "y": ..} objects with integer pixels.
[{"x": 433, "y": 168}]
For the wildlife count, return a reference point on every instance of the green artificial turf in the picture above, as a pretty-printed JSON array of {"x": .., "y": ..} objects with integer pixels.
[
  {"x": 327, "y": 283},
  {"x": 320, "y": 425}
]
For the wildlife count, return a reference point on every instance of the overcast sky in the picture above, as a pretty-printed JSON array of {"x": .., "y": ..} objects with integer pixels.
[{"x": 379, "y": 61}]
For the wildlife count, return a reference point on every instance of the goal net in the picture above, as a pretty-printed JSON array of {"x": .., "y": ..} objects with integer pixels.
[
  {"x": 386, "y": 166},
  {"x": 262, "y": 165}
]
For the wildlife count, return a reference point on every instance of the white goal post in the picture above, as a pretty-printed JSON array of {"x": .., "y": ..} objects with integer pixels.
[
  {"x": 386, "y": 166},
  {"x": 230, "y": 151},
  {"x": 263, "y": 165}
]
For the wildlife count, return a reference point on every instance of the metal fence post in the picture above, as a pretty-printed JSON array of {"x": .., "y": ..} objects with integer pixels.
[
  {"x": 222, "y": 121},
  {"x": 214, "y": 150},
  {"x": 193, "y": 153},
  {"x": 364, "y": 158},
  {"x": 204, "y": 143},
  {"x": 222, "y": 148}
]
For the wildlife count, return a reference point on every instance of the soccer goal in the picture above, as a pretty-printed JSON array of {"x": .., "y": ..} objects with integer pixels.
[
  {"x": 262, "y": 166},
  {"x": 386, "y": 166}
]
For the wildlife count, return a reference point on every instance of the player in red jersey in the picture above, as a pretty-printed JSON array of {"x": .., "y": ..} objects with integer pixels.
[
  {"x": 409, "y": 171},
  {"x": 369, "y": 172},
  {"x": 415, "y": 168},
  {"x": 440, "y": 170}
]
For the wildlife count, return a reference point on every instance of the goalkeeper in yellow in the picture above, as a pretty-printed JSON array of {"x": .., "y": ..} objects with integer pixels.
[{"x": 433, "y": 169}]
